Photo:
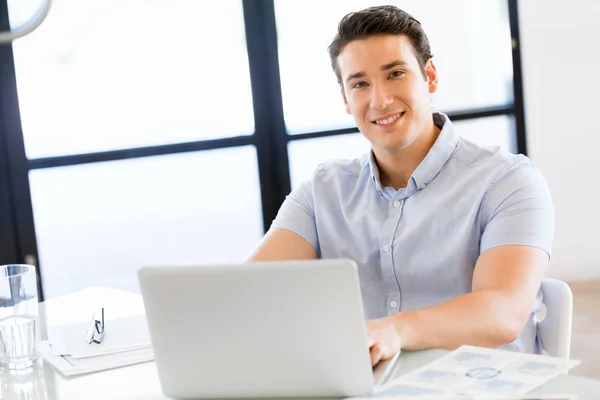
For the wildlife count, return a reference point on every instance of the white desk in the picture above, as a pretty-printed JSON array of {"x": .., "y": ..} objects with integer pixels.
[{"x": 141, "y": 381}]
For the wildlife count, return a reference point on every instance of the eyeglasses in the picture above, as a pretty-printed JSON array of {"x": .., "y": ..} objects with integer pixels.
[{"x": 95, "y": 332}]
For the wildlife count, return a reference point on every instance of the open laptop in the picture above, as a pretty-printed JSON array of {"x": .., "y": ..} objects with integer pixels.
[{"x": 266, "y": 329}]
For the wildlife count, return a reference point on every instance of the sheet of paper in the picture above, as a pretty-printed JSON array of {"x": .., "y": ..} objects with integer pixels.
[
  {"x": 400, "y": 391},
  {"x": 74, "y": 366},
  {"x": 403, "y": 392},
  {"x": 480, "y": 371},
  {"x": 120, "y": 334}
]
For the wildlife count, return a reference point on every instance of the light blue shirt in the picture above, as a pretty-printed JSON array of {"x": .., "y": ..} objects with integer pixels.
[{"x": 417, "y": 247}]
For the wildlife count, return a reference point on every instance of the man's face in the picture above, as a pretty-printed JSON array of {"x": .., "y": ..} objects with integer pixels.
[{"x": 386, "y": 91}]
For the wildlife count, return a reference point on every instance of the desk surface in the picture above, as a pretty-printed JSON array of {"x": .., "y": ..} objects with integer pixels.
[{"x": 141, "y": 381}]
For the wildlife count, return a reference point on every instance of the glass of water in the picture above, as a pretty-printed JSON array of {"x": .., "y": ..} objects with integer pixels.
[
  {"x": 27, "y": 384},
  {"x": 19, "y": 327}
]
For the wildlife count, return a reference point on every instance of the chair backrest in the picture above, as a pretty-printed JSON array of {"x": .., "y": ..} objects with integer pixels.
[{"x": 555, "y": 329}]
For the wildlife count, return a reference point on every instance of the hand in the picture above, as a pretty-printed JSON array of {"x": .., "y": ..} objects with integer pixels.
[{"x": 383, "y": 338}]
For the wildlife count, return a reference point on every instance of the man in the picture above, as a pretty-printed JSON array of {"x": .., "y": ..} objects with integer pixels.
[{"x": 451, "y": 239}]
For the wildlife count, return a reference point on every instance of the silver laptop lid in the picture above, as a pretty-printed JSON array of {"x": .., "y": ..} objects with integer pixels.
[{"x": 269, "y": 329}]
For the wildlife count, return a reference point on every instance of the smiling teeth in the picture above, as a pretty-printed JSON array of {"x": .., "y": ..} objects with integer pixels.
[{"x": 388, "y": 120}]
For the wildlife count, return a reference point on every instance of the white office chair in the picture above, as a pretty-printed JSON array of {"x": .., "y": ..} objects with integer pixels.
[{"x": 554, "y": 329}]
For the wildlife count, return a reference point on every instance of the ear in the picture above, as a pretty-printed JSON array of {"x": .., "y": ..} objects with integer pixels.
[
  {"x": 347, "y": 105},
  {"x": 432, "y": 76}
]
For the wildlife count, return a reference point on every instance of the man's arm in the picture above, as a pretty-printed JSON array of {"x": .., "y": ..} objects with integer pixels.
[
  {"x": 506, "y": 281},
  {"x": 505, "y": 284},
  {"x": 282, "y": 244}
]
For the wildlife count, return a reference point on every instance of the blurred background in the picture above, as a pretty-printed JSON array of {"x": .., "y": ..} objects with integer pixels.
[{"x": 137, "y": 132}]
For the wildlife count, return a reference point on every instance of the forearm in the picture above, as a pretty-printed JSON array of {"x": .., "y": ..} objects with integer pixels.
[{"x": 485, "y": 318}]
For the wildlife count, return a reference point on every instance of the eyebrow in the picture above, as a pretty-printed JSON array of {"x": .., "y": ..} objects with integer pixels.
[{"x": 385, "y": 67}]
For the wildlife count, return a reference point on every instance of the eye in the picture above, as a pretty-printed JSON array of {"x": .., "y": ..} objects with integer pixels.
[
  {"x": 397, "y": 74},
  {"x": 358, "y": 85}
]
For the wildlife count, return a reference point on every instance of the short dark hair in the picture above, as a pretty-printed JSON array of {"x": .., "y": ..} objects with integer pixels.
[{"x": 379, "y": 20}]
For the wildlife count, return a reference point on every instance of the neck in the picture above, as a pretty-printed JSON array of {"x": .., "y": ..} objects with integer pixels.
[{"x": 396, "y": 167}]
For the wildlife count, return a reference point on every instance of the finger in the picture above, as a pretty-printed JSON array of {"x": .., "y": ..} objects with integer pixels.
[
  {"x": 370, "y": 341},
  {"x": 375, "y": 354}
]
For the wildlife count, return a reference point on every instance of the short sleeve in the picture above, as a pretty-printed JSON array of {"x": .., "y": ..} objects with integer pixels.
[
  {"x": 297, "y": 214},
  {"x": 518, "y": 209}
]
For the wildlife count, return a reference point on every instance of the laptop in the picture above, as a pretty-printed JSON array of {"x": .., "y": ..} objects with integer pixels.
[{"x": 264, "y": 329}]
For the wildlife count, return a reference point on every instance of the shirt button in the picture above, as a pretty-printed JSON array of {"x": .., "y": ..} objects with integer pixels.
[
  {"x": 396, "y": 204},
  {"x": 386, "y": 248},
  {"x": 394, "y": 304}
]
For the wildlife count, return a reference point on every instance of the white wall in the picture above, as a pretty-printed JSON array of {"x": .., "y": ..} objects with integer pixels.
[{"x": 561, "y": 66}]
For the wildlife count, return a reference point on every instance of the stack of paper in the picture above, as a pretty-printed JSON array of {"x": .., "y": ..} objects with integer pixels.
[{"x": 126, "y": 341}]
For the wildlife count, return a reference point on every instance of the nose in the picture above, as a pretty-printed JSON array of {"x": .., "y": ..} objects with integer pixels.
[{"x": 380, "y": 98}]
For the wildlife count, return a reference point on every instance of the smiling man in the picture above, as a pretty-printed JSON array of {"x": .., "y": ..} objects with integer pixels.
[{"x": 451, "y": 239}]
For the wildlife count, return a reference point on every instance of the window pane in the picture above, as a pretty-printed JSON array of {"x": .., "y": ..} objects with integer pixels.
[
  {"x": 110, "y": 74},
  {"x": 470, "y": 40},
  {"x": 490, "y": 131},
  {"x": 305, "y": 155},
  {"x": 98, "y": 223}
]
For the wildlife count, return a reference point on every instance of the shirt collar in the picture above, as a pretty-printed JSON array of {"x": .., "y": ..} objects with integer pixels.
[{"x": 432, "y": 164}]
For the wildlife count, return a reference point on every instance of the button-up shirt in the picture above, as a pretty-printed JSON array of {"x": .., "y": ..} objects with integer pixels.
[{"x": 416, "y": 247}]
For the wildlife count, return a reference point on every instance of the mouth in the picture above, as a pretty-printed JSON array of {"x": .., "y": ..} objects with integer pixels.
[{"x": 389, "y": 120}]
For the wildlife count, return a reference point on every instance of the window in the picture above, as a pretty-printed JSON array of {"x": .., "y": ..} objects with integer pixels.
[
  {"x": 490, "y": 131},
  {"x": 97, "y": 224},
  {"x": 116, "y": 74},
  {"x": 307, "y": 154},
  {"x": 169, "y": 132},
  {"x": 470, "y": 40}
]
